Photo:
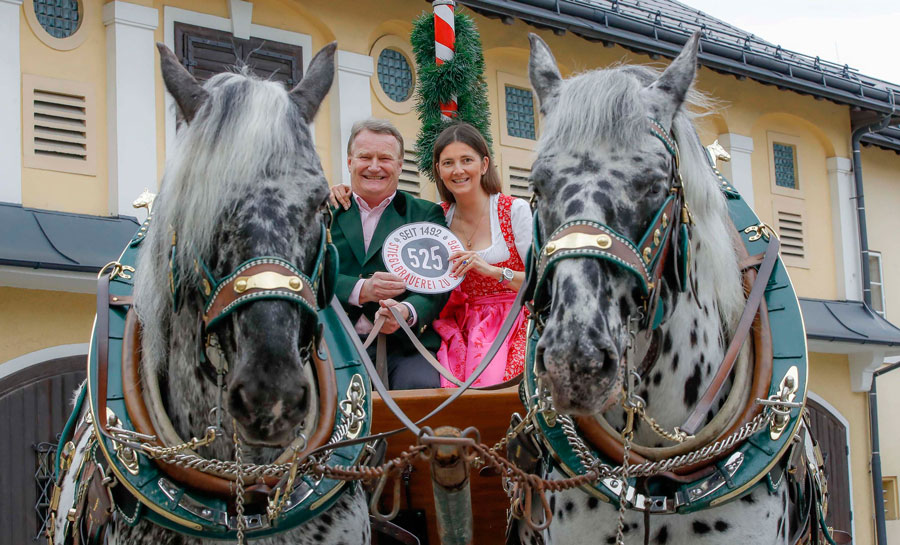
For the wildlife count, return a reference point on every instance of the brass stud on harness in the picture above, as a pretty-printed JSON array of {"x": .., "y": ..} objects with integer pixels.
[
  {"x": 604, "y": 241},
  {"x": 240, "y": 285},
  {"x": 665, "y": 221},
  {"x": 646, "y": 254},
  {"x": 656, "y": 235},
  {"x": 207, "y": 289},
  {"x": 294, "y": 283},
  {"x": 551, "y": 247}
]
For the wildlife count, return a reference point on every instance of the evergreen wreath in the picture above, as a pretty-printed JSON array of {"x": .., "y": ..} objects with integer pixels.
[{"x": 462, "y": 76}]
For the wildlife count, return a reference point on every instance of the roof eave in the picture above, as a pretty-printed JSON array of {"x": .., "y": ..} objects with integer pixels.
[{"x": 656, "y": 40}]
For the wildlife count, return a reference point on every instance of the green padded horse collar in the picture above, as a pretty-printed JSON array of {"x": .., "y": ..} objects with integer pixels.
[
  {"x": 164, "y": 501},
  {"x": 751, "y": 461}
]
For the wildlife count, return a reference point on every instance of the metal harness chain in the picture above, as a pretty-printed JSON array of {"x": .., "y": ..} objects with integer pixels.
[
  {"x": 239, "y": 489},
  {"x": 620, "y": 522}
]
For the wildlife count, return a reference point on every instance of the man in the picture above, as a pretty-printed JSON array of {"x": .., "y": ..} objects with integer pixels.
[{"x": 364, "y": 287}]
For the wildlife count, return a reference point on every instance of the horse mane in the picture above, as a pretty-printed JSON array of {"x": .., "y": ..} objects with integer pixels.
[
  {"x": 247, "y": 130},
  {"x": 608, "y": 106}
]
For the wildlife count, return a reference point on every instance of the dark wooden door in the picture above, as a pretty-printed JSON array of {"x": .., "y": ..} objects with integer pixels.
[
  {"x": 832, "y": 437},
  {"x": 34, "y": 405}
]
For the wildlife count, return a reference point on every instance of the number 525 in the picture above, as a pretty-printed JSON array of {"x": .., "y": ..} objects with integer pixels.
[{"x": 430, "y": 260}]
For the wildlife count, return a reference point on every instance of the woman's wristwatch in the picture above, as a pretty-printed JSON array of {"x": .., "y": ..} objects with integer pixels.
[{"x": 506, "y": 276}]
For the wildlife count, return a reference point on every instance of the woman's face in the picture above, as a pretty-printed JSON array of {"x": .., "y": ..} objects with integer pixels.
[{"x": 461, "y": 169}]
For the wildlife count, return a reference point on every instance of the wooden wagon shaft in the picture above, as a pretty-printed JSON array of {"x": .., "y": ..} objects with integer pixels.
[
  {"x": 489, "y": 520},
  {"x": 451, "y": 489}
]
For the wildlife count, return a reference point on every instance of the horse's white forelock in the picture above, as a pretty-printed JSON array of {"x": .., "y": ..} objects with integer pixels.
[
  {"x": 608, "y": 106},
  {"x": 244, "y": 132},
  {"x": 595, "y": 106}
]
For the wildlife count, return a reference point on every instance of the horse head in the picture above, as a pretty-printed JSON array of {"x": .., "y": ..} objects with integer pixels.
[
  {"x": 244, "y": 184},
  {"x": 603, "y": 158}
]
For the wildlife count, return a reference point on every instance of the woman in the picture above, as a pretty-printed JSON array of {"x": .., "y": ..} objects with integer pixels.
[{"x": 496, "y": 230}]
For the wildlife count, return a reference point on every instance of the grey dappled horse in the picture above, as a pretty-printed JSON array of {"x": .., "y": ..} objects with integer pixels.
[
  {"x": 243, "y": 181},
  {"x": 597, "y": 160}
]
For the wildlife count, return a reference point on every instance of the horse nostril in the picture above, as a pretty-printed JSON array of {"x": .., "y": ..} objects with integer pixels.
[
  {"x": 301, "y": 401},
  {"x": 610, "y": 361},
  {"x": 238, "y": 404}
]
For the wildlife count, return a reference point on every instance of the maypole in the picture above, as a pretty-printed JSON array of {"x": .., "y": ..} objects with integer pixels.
[
  {"x": 445, "y": 46},
  {"x": 450, "y": 71}
]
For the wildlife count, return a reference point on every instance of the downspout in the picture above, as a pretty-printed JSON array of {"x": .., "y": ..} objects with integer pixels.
[
  {"x": 861, "y": 200},
  {"x": 877, "y": 486},
  {"x": 880, "y": 529}
]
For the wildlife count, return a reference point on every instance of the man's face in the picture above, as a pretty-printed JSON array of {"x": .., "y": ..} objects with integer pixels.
[{"x": 375, "y": 163}]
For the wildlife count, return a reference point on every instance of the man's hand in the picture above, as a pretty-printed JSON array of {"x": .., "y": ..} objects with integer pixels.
[
  {"x": 390, "y": 324},
  {"x": 340, "y": 193},
  {"x": 381, "y": 286}
]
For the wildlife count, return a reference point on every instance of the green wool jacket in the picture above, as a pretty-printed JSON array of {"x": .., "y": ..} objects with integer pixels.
[{"x": 356, "y": 263}]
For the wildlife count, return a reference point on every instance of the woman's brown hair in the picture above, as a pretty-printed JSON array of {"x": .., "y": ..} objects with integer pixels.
[{"x": 468, "y": 135}]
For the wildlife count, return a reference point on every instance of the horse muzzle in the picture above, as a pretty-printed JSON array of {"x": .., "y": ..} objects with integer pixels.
[{"x": 268, "y": 411}]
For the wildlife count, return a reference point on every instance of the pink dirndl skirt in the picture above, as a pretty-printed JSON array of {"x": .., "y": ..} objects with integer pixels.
[{"x": 468, "y": 326}]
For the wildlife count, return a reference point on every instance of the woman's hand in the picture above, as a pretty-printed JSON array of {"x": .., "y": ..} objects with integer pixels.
[
  {"x": 340, "y": 193},
  {"x": 463, "y": 262}
]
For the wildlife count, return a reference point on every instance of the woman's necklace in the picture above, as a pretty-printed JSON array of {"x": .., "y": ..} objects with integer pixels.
[{"x": 475, "y": 227}]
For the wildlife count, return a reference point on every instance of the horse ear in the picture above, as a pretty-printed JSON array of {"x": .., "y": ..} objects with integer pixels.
[
  {"x": 542, "y": 71},
  {"x": 668, "y": 92},
  {"x": 309, "y": 93},
  {"x": 188, "y": 94}
]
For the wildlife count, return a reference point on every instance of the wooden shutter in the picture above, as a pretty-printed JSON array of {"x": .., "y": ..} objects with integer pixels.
[
  {"x": 206, "y": 52},
  {"x": 832, "y": 437}
]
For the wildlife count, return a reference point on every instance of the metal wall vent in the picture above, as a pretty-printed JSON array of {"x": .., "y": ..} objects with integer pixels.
[
  {"x": 518, "y": 182},
  {"x": 790, "y": 222},
  {"x": 410, "y": 180},
  {"x": 59, "y": 125}
]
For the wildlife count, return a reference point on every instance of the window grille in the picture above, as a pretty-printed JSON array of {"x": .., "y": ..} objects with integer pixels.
[
  {"x": 876, "y": 281},
  {"x": 520, "y": 113},
  {"x": 45, "y": 455},
  {"x": 395, "y": 75},
  {"x": 785, "y": 157},
  {"x": 60, "y": 18}
]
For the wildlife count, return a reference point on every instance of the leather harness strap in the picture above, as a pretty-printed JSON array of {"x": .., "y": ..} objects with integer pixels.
[
  {"x": 692, "y": 424},
  {"x": 262, "y": 279},
  {"x": 104, "y": 302}
]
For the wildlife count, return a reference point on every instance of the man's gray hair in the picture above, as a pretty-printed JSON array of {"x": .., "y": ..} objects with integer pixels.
[{"x": 378, "y": 126}]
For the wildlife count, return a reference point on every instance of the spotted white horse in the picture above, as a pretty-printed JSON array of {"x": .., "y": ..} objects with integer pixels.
[{"x": 597, "y": 160}]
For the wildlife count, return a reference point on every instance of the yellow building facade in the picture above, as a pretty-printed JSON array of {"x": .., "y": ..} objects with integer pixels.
[{"x": 110, "y": 65}]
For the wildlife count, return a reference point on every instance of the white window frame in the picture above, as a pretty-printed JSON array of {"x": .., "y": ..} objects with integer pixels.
[
  {"x": 873, "y": 254},
  {"x": 512, "y": 80},
  {"x": 773, "y": 138}
]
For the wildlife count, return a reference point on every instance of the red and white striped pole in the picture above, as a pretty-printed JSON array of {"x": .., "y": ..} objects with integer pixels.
[{"x": 445, "y": 45}]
